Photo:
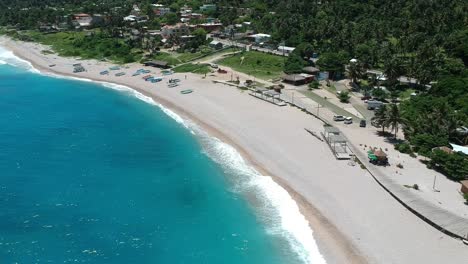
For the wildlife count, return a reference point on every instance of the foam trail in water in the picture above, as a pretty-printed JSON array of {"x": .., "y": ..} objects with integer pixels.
[{"x": 279, "y": 210}]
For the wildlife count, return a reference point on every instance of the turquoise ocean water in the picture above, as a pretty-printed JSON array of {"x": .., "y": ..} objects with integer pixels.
[{"x": 90, "y": 174}]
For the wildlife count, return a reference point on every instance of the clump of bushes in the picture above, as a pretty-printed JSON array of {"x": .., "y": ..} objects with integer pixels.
[
  {"x": 344, "y": 96},
  {"x": 404, "y": 148},
  {"x": 314, "y": 85},
  {"x": 453, "y": 165}
]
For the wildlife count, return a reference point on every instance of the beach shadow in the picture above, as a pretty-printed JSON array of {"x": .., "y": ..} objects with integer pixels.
[{"x": 393, "y": 140}]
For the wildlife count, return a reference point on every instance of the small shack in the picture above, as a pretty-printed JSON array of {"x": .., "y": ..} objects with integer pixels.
[
  {"x": 216, "y": 45},
  {"x": 277, "y": 87},
  {"x": 157, "y": 64},
  {"x": 311, "y": 70},
  {"x": 298, "y": 79}
]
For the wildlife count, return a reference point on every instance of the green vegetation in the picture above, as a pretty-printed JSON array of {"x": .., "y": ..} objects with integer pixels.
[
  {"x": 404, "y": 148},
  {"x": 314, "y": 85},
  {"x": 96, "y": 45},
  {"x": 344, "y": 96},
  {"x": 260, "y": 65},
  {"x": 379, "y": 94},
  {"x": 333, "y": 62},
  {"x": 406, "y": 94},
  {"x": 294, "y": 64},
  {"x": 193, "y": 68},
  {"x": 394, "y": 119},
  {"x": 432, "y": 118},
  {"x": 381, "y": 117},
  {"x": 429, "y": 122},
  {"x": 453, "y": 165},
  {"x": 167, "y": 57},
  {"x": 189, "y": 56}
]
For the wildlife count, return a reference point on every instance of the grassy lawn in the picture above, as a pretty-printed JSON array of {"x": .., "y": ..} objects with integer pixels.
[
  {"x": 174, "y": 58},
  {"x": 61, "y": 42},
  {"x": 77, "y": 44},
  {"x": 260, "y": 65},
  {"x": 194, "y": 68},
  {"x": 188, "y": 56},
  {"x": 216, "y": 54},
  {"x": 167, "y": 57}
]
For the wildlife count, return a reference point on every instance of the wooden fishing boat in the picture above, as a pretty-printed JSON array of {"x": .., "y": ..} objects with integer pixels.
[{"x": 186, "y": 91}]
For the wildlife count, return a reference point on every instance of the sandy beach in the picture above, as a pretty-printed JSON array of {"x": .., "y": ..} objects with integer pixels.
[{"x": 353, "y": 219}]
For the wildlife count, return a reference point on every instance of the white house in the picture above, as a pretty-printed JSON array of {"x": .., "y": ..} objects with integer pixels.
[
  {"x": 260, "y": 37},
  {"x": 285, "y": 50}
]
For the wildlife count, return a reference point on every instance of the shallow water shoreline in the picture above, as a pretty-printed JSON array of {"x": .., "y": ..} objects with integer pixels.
[{"x": 333, "y": 244}]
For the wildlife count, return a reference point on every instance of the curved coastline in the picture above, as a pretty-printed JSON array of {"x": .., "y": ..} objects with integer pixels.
[{"x": 336, "y": 247}]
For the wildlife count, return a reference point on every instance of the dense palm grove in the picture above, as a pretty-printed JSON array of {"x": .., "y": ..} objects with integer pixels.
[{"x": 422, "y": 39}]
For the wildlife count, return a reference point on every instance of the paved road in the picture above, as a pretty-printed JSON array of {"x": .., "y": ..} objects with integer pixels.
[{"x": 356, "y": 101}]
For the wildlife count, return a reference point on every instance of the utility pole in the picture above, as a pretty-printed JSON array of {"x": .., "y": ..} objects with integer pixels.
[{"x": 318, "y": 109}]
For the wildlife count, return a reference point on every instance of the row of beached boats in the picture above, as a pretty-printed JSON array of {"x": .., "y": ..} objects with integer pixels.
[{"x": 150, "y": 78}]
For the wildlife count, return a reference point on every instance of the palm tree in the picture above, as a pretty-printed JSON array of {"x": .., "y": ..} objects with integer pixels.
[
  {"x": 392, "y": 70},
  {"x": 355, "y": 71},
  {"x": 393, "y": 118},
  {"x": 381, "y": 117}
]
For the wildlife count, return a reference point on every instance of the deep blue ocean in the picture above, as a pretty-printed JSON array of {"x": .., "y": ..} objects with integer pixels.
[{"x": 89, "y": 174}]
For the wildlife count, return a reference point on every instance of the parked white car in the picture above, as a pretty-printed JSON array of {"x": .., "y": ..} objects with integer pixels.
[
  {"x": 338, "y": 118},
  {"x": 348, "y": 120}
]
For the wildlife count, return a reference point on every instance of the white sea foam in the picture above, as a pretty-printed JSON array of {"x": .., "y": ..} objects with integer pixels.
[
  {"x": 277, "y": 208},
  {"x": 7, "y": 57}
]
